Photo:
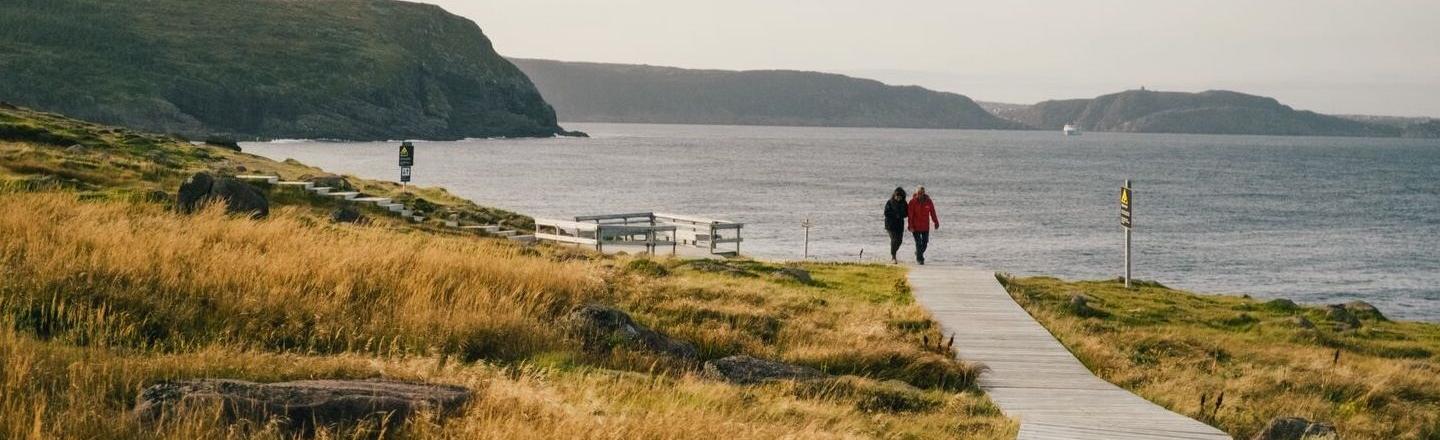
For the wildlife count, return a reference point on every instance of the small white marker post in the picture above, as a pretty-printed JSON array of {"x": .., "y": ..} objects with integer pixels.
[
  {"x": 1126, "y": 198},
  {"x": 806, "y": 224}
]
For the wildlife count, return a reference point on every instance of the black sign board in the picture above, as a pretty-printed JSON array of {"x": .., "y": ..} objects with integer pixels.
[
  {"x": 407, "y": 155},
  {"x": 1125, "y": 207},
  {"x": 404, "y": 174}
]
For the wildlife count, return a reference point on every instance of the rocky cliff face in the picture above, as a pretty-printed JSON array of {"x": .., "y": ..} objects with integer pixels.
[
  {"x": 593, "y": 92},
  {"x": 356, "y": 70},
  {"x": 1211, "y": 112}
]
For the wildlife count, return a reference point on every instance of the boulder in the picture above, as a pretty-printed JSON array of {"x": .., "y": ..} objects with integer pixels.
[
  {"x": 795, "y": 274},
  {"x": 1295, "y": 428},
  {"x": 713, "y": 266},
  {"x": 744, "y": 370},
  {"x": 1281, "y": 304},
  {"x": 157, "y": 196},
  {"x": 239, "y": 197},
  {"x": 600, "y": 325},
  {"x": 1364, "y": 310},
  {"x": 334, "y": 182},
  {"x": 1080, "y": 306},
  {"x": 346, "y": 214},
  {"x": 1301, "y": 322},
  {"x": 1344, "y": 320},
  {"x": 302, "y": 405}
]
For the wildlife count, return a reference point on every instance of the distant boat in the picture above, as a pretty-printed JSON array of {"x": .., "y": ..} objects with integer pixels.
[{"x": 1071, "y": 130}]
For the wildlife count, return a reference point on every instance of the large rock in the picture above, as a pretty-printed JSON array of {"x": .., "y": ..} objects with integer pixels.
[
  {"x": 795, "y": 274},
  {"x": 742, "y": 369},
  {"x": 239, "y": 197},
  {"x": 302, "y": 405},
  {"x": 1079, "y": 305},
  {"x": 1364, "y": 310},
  {"x": 600, "y": 325},
  {"x": 1295, "y": 428},
  {"x": 1343, "y": 318},
  {"x": 347, "y": 214},
  {"x": 1281, "y": 304},
  {"x": 334, "y": 182}
]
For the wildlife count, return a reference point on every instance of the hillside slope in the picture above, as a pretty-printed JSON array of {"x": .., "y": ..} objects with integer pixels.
[
  {"x": 361, "y": 70},
  {"x": 593, "y": 92},
  {"x": 105, "y": 290},
  {"x": 1209, "y": 112}
]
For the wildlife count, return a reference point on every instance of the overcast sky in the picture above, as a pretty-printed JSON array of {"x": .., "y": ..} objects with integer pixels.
[{"x": 1332, "y": 56}]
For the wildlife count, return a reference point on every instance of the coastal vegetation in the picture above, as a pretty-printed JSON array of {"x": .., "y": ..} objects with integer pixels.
[
  {"x": 361, "y": 70},
  {"x": 106, "y": 290},
  {"x": 595, "y": 92},
  {"x": 1236, "y": 362}
]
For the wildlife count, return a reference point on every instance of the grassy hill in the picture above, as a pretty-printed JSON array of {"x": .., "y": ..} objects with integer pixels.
[
  {"x": 357, "y": 70},
  {"x": 1210, "y": 112},
  {"x": 1372, "y": 377},
  {"x": 594, "y": 92},
  {"x": 105, "y": 290}
]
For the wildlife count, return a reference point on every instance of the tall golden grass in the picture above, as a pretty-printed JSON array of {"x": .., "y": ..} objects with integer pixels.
[
  {"x": 1180, "y": 349},
  {"x": 99, "y": 299}
]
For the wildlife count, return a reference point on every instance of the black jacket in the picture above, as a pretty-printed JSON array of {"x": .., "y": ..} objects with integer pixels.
[{"x": 895, "y": 213}]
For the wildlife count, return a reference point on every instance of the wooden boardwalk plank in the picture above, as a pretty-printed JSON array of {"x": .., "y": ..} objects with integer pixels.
[{"x": 1032, "y": 377}]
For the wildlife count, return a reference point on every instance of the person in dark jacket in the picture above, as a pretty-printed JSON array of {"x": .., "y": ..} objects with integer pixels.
[
  {"x": 895, "y": 213},
  {"x": 922, "y": 213}
]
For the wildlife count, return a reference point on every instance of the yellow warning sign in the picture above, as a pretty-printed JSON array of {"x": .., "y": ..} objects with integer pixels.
[{"x": 1124, "y": 196}]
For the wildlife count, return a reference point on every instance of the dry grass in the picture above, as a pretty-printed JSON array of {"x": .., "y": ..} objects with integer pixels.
[
  {"x": 1179, "y": 349},
  {"x": 99, "y": 299}
]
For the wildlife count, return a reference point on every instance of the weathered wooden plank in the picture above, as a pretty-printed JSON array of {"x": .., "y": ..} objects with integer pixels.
[{"x": 1032, "y": 377}]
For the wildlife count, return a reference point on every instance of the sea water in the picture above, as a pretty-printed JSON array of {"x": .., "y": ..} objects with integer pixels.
[{"x": 1314, "y": 219}]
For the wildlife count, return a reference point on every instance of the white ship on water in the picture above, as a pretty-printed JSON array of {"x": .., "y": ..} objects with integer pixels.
[{"x": 1071, "y": 130}]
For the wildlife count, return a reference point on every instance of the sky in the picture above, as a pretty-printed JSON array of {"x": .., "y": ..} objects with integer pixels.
[{"x": 1332, "y": 56}]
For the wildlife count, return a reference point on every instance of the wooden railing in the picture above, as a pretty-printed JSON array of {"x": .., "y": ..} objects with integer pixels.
[
  {"x": 642, "y": 228},
  {"x": 601, "y": 235}
]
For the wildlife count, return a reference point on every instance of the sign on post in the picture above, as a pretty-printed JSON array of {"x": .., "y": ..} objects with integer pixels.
[
  {"x": 1125, "y": 219},
  {"x": 1126, "y": 198},
  {"x": 407, "y": 155},
  {"x": 404, "y": 174}
]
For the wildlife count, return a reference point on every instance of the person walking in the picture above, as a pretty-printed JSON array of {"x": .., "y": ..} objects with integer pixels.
[
  {"x": 895, "y": 212},
  {"x": 921, "y": 212}
]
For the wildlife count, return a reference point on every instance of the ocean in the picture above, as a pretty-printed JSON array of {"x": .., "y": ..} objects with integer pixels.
[{"x": 1312, "y": 219}]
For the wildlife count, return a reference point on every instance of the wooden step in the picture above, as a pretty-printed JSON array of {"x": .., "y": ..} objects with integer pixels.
[
  {"x": 260, "y": 178},
  {"x": 522, "y": 238},
  {"x": 345, "y": 195},
  {"x": 320, "y": 190},
  {"x": 375, "y": 200},
  {"x": 486, "y": 228},
  {"x": 302, "y": 184}
]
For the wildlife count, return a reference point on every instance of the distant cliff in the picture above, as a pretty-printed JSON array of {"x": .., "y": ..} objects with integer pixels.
[
  {"x": 357, "y": 70},
  {"x": 591, "y": 92},
  {"x": 1211, "y": 112}
]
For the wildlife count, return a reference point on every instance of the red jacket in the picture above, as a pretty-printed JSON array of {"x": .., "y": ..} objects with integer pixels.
[{"x": 922, "y": 212}]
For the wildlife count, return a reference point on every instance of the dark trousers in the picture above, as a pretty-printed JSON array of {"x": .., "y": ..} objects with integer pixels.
[
  {"x": 922, "y": 241},
  {"x": 897, "y": 238}
]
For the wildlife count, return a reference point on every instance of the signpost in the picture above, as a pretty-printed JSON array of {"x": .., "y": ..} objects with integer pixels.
[
  {"x": 807, "y": 224},
  {"x": 1126, "y": 197},
  {"x": 407, "y": 160}
]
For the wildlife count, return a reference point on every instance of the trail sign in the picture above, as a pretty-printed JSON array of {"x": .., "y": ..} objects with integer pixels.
[
  {"x": 404, "y": 174},
  {"x": 1126, "y": 197},
  {"x": 407, "y": 155},
  {"x": 1125, "y": 218}
]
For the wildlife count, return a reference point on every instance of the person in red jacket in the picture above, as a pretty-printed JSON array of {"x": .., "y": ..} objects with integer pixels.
[{"x": 922, "y": 213}]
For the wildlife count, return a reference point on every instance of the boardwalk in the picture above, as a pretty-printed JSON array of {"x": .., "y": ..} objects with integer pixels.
[{"x": 1032, "y": 377}]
